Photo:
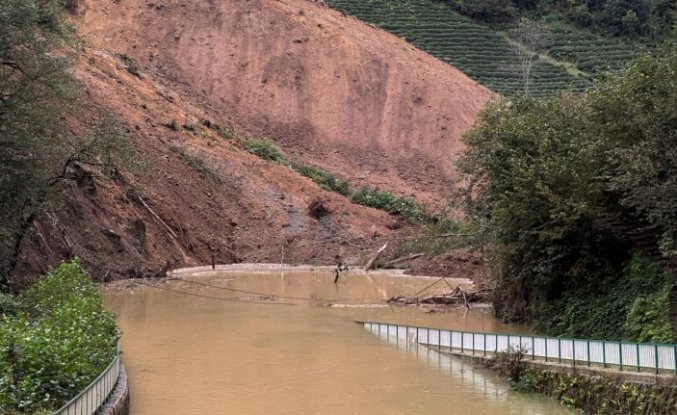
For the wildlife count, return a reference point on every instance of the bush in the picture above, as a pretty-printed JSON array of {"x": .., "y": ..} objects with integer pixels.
[
  {"x": 59, "y": 341},
  {"x": 387, "y": 201},
  {"x": 224, "y": 132},
  {"x": 264, "y": 149},
  {"x": 568, "y": 190},
  {"x": 509, "y": 363},
  {"x": 8, "y": 304},
  {"x": 325, "y": 180}
]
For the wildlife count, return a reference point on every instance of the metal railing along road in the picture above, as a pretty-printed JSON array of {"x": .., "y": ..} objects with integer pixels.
[
  {"x": 95, "y": 395},
  {"x": 609, "y": 354}
]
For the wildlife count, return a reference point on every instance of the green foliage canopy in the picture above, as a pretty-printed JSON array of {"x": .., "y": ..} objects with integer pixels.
[
  {"x": 32, "y": 83},
  {"x": 648, "y": 19},
  {"x": 37, "y": 92},
  {"x": 56, "y": 342},
  {"x": 556, "y": 183}
]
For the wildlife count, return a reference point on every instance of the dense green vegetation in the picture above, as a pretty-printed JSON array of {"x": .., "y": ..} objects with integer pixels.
[
  {"x": 591, "y": 394},
  {"x": 325, "y": 180},
  {"x": 38, "y": 155},
  {"x": 387, "y": 201},
  {"x": 264, "y": 149},
  {"x": 601, "y": 396},
  {"x": 32, "y": 82},
  {"x": 584, "y": 38},
  {"x": 587, "y": 52},
  {"x": 577, "y": 197},
  {"x": 477, "y": 50},
  {"x": 648, "y": 19},
  {"x": 55, "y": 339}
]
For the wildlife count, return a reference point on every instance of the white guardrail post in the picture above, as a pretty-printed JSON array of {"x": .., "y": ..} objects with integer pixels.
[
  {"x": 654, "y": 357},
  {"x": 95, "y": 395}
]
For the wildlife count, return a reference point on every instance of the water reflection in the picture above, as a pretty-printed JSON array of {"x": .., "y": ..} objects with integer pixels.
[{"x": 484, "y": 383}]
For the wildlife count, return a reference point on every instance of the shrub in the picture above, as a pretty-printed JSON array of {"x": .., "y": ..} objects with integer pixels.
[
  {"x": 325, "y": 180},
  {"x": 317, "y": 209},
  {"x": 225, "y": 132},
  {"x": 58, "y": 342},
  {"x": 172, "y": 125},
  {"x": 8, "y": 304},
  {"x": 509, "y": 363},
  {"x": 387, "y": 201},
  {"x": 264, "y": 149}
]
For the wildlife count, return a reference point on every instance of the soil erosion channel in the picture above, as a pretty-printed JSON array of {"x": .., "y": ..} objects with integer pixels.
[{"x": 192, "y": 348}]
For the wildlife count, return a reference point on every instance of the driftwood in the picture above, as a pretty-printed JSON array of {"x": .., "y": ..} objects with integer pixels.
[
  {"x": 403, "y": 259},
  {"x": 376, "y": 256},
  {"x": 456, "y": 297}
]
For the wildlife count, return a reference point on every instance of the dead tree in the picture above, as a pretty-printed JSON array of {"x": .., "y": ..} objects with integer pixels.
[{"x": 531, "y": 37}]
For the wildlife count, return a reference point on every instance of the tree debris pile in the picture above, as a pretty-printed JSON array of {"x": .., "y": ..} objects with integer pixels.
[{"x": 456, "y": 297}]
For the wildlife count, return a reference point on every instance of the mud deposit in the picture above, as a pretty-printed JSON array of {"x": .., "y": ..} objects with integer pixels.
[{"x": 275, "y": 347}]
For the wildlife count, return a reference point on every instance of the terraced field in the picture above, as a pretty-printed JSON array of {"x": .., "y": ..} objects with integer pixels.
[
  {"x": 476, "y": 50},
  {"x": 589, "y": 53}
]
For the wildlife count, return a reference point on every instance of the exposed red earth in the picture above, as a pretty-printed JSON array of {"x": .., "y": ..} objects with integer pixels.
[{"x": 330, "y": 90}]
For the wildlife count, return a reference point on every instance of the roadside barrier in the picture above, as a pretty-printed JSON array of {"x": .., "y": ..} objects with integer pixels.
[
  {"x": 658, "y": 358},
  {"x": 95, "y": 395}
]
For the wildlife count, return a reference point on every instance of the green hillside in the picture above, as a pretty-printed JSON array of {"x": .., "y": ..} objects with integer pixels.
[
  {"x": 589, "y": 53},
  {"x": 486, "y": 55}
]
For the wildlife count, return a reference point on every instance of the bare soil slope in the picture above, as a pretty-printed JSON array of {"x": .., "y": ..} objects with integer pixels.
[
  {"x": 202, "y": 194},
  {"x": 332, "y": 90}
]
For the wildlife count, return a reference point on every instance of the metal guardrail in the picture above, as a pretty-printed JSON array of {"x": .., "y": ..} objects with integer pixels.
[
  {"x": 95, "y": 395},
  {"x": 608, "y": 354}
]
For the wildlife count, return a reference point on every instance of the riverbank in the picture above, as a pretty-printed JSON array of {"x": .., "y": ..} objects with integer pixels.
[{"x": 604, "y": 396}]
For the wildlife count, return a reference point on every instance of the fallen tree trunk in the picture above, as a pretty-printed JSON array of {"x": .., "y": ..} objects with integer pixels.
[
  {"x": 375, "y": 258},
  {"x": 403, "y": 259}
]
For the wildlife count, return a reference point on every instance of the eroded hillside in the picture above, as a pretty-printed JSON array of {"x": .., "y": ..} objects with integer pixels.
[{"x": 332, "y": 91}]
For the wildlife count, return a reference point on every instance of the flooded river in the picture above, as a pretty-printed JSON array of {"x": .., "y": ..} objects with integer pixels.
[{"x": 268, "y": 343}]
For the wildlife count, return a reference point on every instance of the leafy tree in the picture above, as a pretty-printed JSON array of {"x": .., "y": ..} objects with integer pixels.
[
  {"x": 37, "y": 92},
  {"x": 556, "y": 183},
  {"x": 633, "y": 115},
  {"x": 33, "y": 83},
  {"x": 624, "y": 17},
  {"x": 58, "y": 341}
]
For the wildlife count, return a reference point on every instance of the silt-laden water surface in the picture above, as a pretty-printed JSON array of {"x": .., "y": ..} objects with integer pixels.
[{"x": 203, "y": 349}]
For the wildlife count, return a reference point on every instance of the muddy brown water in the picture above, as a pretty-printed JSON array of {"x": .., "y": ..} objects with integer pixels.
[{"x": 202, "y": 349}]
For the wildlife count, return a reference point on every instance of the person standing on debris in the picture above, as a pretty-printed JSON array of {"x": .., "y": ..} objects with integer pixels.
[{"x": 340, "y": 267}]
